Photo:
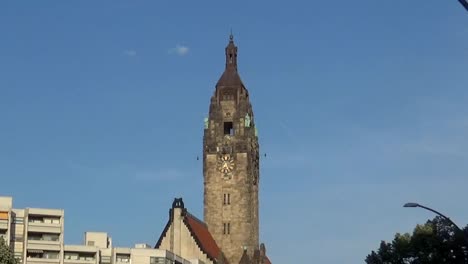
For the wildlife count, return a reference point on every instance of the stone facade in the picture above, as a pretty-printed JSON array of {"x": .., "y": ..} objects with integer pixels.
[
  {"x": 179, "y": 239},
  {"x": 231, "y": 165}
]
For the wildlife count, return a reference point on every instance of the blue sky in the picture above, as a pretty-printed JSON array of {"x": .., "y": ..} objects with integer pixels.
[{"x": 361, "y": 107}]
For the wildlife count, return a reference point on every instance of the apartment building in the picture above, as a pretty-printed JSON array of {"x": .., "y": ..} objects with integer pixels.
[
  {"x": 36, "y": 236},
  {"x": 5, "y": 217}
]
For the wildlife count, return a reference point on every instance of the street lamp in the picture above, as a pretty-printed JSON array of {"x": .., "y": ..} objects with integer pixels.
[
  {"x": 444, "y": 217},
  {"x": 434, "y": 211},
  {"x": 464, "y": 4}
]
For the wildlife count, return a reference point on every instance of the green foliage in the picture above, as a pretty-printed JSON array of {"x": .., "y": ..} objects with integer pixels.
[
  {"x": 435, "y": 242},
  {"x": 6, "y": 256}
]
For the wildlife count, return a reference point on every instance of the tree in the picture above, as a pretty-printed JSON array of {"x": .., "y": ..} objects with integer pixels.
[
  {"x": 435, "y": 242},
  {"x": 6, "y": 255}
]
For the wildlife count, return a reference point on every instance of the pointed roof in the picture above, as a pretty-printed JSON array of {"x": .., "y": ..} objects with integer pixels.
[
  {"x": 202, "y": 236},
  {"x": 260, "y": 256},
  {"x": 245, "y": 258},
  {"x": 230, "y": 76},
  {"x": 198, "y": 230}
]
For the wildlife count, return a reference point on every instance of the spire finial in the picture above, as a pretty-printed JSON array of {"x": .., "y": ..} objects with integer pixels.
[{"x": 231, "y": 37}]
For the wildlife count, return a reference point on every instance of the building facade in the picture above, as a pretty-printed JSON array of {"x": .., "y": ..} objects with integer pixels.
[
  {"x": 188, "y": 236},
  {"x": 231, "y": 165},
  {"x": 35, "y": 236}
]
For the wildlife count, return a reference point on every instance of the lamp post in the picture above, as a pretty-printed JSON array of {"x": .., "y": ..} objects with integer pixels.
[
  {"x": 434, "y": 211},
  {"x": 444, "y": 217},
  {"x": 464, "y": 4}
]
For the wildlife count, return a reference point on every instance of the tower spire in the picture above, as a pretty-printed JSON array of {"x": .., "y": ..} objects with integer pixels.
[
  {"x": 230, "y": 75},
  {"x": 231, "y": 165},
  {"x": 231, "y": 54}
]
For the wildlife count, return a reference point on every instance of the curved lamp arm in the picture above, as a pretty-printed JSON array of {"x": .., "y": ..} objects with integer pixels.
[
  {"x": 434, "y": 211},
  {"x": 464, "y": 4}
]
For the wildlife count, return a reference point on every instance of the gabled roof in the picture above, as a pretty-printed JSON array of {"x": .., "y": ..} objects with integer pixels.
[
  {"x": 202, "y": 236},
  {"x": 198, "y": 230}
]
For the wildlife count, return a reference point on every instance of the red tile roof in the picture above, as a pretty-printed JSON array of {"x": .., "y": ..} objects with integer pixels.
[
  {"x": 202, "y": 236},
  {"x": 198, "y": 230},
  {"x": 267, "y": 260}
]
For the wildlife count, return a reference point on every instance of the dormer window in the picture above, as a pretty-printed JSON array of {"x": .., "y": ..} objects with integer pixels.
[{"x": 230, "y": 58}]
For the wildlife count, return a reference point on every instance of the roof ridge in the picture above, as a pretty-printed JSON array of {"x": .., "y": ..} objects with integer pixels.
[{"x": 187, "y": 213}]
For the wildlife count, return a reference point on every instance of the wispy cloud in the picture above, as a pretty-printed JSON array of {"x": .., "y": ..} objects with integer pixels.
[
  {"x": 180, "y": 50},
  {"x": 130, "y": 53}
]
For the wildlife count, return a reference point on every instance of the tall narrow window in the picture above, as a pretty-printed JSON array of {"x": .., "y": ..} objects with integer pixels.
[
  {"x": 226, "y": 228},
  {"x": 226, "y": 199}
]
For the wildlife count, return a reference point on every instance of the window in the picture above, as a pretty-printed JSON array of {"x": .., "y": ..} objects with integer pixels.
[
  {"x": 90, "y": 243},
  {"x": 228, "y": 128},
  {"x": 51, "y": 255},
  {"x": 161, "y": 260},
  {"x": 228, "y": 97},
  {"x": 227, "y": 228},
  {"x": 43, "y": 220},
  {"x": 18, "y": 220},
  {"x": 43, "y": 237},
  {"x": 123, "y": 258},
  {"x": 19, "y": 256},
  {"x": 42, "y": 254},
  {"x": 227, "y": 199},
  {"x": 18, "y": 238}
]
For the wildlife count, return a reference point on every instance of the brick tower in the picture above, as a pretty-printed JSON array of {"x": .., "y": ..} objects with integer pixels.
[{"x": 231, "y": 165}]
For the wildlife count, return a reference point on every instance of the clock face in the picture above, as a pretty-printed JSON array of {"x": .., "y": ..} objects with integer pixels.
[{"x": 225, "y": 164}]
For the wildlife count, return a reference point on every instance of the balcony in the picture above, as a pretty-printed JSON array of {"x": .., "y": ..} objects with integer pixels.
[
  {"x": 79, "y": 258},
  {"x": 42, "y": 256},
  {"x": 44, "y": 224},
  {"x": 43, "y": 237},
  {"x": 3, "y": 224},
  {"x": 44, "y": 241},
  {"x": 80, "y": 254},
  {"x": 42, "y": 261},
  {"x": 122, "y": 258}
]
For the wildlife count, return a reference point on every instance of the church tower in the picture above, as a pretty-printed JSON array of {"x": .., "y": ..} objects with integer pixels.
[{"x": 231, "y": 165}]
